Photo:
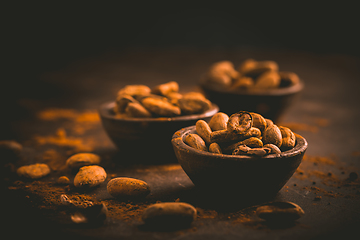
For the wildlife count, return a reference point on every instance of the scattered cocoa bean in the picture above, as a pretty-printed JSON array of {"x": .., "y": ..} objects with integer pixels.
[
  {"x": 169, "y": 214},
  {"x": 280, "y": 211},
  {"x": 89, "y": 176},
  {"x": 34, "y": 171},
  {"x": 79, "y": 160},
  {"x": 63, "y": 180},
  {"x": 128, "y": 188}
]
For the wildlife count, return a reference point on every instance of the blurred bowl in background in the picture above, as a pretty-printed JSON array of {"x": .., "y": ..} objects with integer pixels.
[
  {"x": 270, "y": 103},
  {"x": 146, "y": 140}
]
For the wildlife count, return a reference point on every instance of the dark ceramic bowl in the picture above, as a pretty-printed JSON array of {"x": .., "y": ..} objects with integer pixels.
[
  {"x": 146, "y": 139},
  {"x": 244, "y": 176},
  {"x": 270, "y": 103}
]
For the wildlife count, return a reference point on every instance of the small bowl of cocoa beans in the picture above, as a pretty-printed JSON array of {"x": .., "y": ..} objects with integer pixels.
[
  {"x": 255, "y": 86},
  {"x": 142, "y": 120},
  {"x": 244, "y": 155}
]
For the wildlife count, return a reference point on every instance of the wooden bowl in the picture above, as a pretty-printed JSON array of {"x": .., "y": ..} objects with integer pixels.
[
  {"x": 235, "y": 175},
  {"x": 146, "y": 139},
  {"x": 270, "y": 103}
]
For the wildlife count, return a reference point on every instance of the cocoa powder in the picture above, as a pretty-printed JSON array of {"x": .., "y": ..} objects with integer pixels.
[
  {"x": 77, "y": 121},
  {"x": 329, "y": 172}
]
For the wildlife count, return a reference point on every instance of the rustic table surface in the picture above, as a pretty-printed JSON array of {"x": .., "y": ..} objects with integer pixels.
[{"x": 57, "y": 117}]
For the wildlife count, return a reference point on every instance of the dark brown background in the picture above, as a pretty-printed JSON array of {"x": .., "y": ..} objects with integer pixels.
[{"x": 42, "y": 37}]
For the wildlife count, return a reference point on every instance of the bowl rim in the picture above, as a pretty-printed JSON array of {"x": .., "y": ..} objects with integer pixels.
[
  {"x": 177, "y": 140},
  {"x": 255, "y": 92},
  {"x": 105, "y": 108}
]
